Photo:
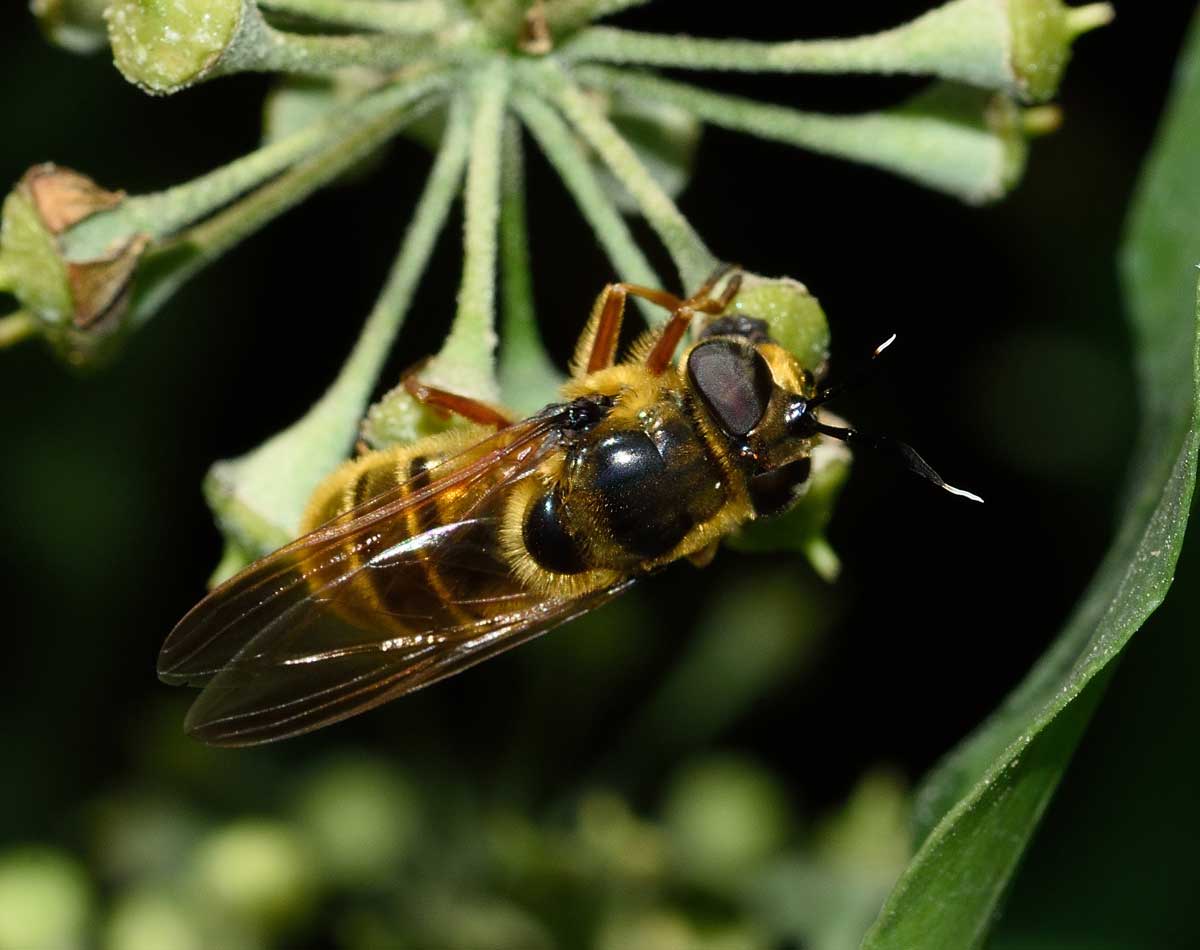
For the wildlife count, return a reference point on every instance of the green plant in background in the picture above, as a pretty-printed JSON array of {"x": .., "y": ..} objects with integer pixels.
[{"x": 87, "y": 266}]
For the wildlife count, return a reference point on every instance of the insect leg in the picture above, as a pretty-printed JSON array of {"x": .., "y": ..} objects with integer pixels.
[
  {"x": 470, "y": 409},
  {"x": 597, "y": 347},
  {"x": 701, "y": 296},
  {"x": 664, "y": 348}
]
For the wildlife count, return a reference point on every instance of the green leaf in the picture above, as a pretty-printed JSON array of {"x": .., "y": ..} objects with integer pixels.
[{"x": 978, "y": 810}]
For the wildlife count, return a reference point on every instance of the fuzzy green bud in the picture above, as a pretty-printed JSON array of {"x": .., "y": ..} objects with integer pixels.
[
  {"x": 75, "y": 25},
  {"x": 794, "y": 317},
  {"x": 164, "y": 46},
  {"x": 398, "y": 419},
  {"x": 1042, "y": 34},
  {"x": 79, "y": 304}
]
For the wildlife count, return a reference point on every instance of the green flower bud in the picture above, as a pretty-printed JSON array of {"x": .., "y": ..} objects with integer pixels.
[
  {"x": 803, "y": 528},
  {"x": 361, "y": 817},
  {"x": 80, "y": 304},
  {"x": 398, "y": 419},
  {"x": 164, "y": 46},
  {"x": 1042, "y": 34},
  {"x": 652, "y": 929},
  {"x": 724, "y": 817},
  {"x": 258, "y": 871},
  {"x": 617, "y": 840},
  {"x": 76, "y": 25},
  {"x": 871, "y": 832},
  {"x": 794, "y": 318},
  {"x": 45, "y": 900},
  {"x": 150, "y": 920}
]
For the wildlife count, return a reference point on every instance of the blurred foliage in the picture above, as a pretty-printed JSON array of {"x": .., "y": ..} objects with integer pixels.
[{"x": 715, "y": 868}]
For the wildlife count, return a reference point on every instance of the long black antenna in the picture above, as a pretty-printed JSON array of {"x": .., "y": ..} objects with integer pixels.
[
  {"x": 832, "y": 392},
  {"x": 888, "y": 447},
  {"x": 896, "y": 450}
]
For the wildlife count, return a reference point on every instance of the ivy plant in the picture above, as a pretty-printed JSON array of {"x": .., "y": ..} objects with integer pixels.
[{"x": 481, "y": 80}]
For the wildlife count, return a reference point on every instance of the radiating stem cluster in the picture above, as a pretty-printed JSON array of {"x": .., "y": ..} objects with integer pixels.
[{"x": 484, "y": 77}]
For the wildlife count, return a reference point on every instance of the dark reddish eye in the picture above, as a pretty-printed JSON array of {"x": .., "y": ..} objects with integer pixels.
[{"x": 733, "y": 381}]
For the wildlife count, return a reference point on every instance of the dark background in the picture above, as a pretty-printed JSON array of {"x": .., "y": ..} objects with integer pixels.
[{"x": 1012, "y": 376}]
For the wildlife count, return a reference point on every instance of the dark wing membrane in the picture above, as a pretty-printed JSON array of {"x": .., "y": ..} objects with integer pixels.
[{"x": 399, "y": 593}]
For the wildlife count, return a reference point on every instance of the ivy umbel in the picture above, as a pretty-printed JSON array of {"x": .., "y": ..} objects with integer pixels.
[{"x": 87, "y": 265}]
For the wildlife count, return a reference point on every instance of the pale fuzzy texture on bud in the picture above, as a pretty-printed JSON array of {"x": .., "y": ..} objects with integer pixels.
[
  {"x": 164, "y": 47},
  {"x": 1042, "y": 34}
]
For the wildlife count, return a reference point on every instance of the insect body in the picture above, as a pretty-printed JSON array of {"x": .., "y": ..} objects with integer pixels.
[{"x": 422, "y": 560}]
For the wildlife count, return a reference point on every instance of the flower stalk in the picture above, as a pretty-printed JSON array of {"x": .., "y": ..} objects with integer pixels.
[
  {"x": 260, "y": 497},
  {"x": 17, "y": 326},
  {"x": 383, "y": 16},
  {"x": 1016, "y": 46},
  {"x": 165, "y": 48},
  {"x": 466, "y": 361},
  {"x": 562, "y": 148},
  {"x": 480, "y": 73},
  {"x": 528, "y": 376},
  {"x": 955, "y": 139},
  {"x": 692, "y": 257},
  {"x": 165, "y": 213}
]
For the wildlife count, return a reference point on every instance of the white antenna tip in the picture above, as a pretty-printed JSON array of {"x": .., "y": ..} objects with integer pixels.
[
  {"x": 971, "y": 496},
  {"x": 884, "y": 345}
]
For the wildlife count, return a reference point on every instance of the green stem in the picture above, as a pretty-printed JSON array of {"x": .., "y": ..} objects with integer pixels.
[
  {"x": 562, "y": 149},
  {"x": 465, "y": 363},
  {"x": 949, "y": 138},
  {"x": 275, "y": 481},
  {"x": 15, "y": 327},
  {"x": 565, "y": 16},
  {"x": 164, "y": 213},
  {"x": 692, "y": 258},
  {"x": 384, "y": 16},
  {"x": 259, "y": 47},
  {"x": 172, "y": 264},
  {"x": 365, "y": 362},
  {"x": 966, "y": 40},
  {"x": 528, "y": 377},
  {"x": 1090, "y": 17},
  {"x": 603, "y": 8},
  {"x": 311, "y": 55}
]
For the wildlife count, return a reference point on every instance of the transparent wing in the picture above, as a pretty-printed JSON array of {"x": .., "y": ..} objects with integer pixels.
[{"x": 401, "y": 592}]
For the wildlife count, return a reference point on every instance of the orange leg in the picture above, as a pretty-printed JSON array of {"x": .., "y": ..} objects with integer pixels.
[
  {"x": 603, "y": 352},
  {"x": 608, "y": 328},
  {"x": 660, "y": 356},
  {"x": 452, "y": 403}
]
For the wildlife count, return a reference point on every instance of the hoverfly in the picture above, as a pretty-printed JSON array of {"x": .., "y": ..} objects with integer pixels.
[{"x": 421, "y": 560}]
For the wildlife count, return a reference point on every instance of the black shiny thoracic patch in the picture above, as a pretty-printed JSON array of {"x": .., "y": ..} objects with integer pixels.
[
  {"x": 640, "y": 500},
  {"x": 547, "y": 540},
  {"x": 733, "y": 381},
  {"x": 585, "y": 412},
  {"x": 752, "y": 328}
]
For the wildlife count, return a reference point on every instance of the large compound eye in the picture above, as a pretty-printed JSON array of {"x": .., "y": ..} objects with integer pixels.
[{"x": 734, "y": 382}]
